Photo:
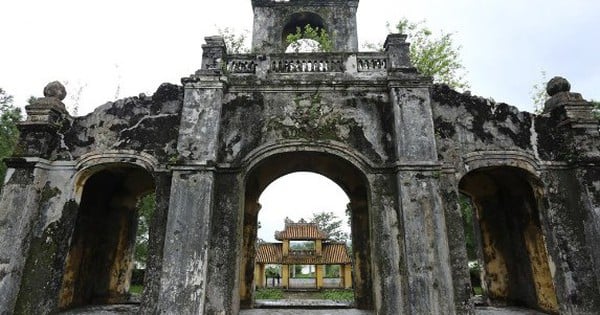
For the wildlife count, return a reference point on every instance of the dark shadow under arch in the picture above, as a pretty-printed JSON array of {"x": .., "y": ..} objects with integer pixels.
[
  {"x": 98, "y": 265},
  {"x": 349, "y": 177},
  {"x": 506, "y": 202}
]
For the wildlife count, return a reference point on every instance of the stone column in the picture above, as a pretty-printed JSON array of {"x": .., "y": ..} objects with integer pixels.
[
  {"x": 18, "y": 210},
  {"x": 319, "y": 273},
  {"x": 347, "y": 276},
  {"x": 20, "y": 198},
  {"x": 188, "y": 227},
  {"x": 426, "y": 254},
  {"x": 285, "y": 276},
  {"x": 568, "y": 137},
  {"x": 285, "y": 248},
  {"x": 259, "y": 275}
]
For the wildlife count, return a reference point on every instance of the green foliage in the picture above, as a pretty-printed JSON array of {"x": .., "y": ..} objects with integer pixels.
[
  {"x": 309, "y": 39},
  {"x": 596, "y": 110},
  {"x": 235, "y": 42},
  {"x": 338, "y": 295},
  {"x": 332, "y": 271},
  {"x": 268, "y": 294},
  {"x": 467, "y": 215},
  {"x": 332, "y": 225},
  {"x": 538, "y": 93},
  {"x": 136, "y": 289},
  {"x": 146, "y": 206},
  {"x": 435, "y": 56},
  {"x": 302, "y": 245},
  {"x": 9, "y": 134},
  {"x": 272, "y": 271}
]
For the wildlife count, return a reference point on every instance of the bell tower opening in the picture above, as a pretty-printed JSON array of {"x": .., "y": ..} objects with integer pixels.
[{"x": 274, "y": 20}]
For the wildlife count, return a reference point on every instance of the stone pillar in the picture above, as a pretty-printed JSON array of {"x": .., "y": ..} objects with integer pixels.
[
  {"x": 319, "y": 273},
  {"x": 192, "y": 191},
  {"x": 39, "y": 133},
  {"x": 259, "y": 275},
  {"x": 568, "y": 136},
  {"x": 318, "y": 247},
  {"x": 285, "y": 248},
  {"x": 397, "y": 50},
  {"x": 456, "y": 242},
  {"x": 18, "y": 211},
  {"x": 285, "y": 276},
  {"x": 425, "y": 251},
  {"x": 20, "y": 198}
]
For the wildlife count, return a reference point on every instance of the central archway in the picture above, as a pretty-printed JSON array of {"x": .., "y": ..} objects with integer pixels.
[{"x": 348, "y": 176}]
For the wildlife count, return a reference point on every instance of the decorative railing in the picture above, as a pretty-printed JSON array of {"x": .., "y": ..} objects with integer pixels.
[
  {"x": 241, "y": 64},
  {"x": 366, "y": 62},
  {"x": 307, "y": 63},
  {"x": 283, "y": 63}
]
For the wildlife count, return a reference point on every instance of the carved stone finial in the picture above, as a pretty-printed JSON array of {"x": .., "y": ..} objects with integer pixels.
[
  {"x": 55, "y": 89},
  {"x": 557, "y": 85}
]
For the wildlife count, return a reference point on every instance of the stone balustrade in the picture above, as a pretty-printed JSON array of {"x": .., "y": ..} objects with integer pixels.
[
  {"x": 307, "y": 63},
  {"x": 371, "y": 61}
]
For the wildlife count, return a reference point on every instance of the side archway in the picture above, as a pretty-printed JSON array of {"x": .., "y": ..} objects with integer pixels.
[
  {"x": 516, "y": 267},
  {"x": 344, "y": 173},
  {"x": 99, "y": 262}
]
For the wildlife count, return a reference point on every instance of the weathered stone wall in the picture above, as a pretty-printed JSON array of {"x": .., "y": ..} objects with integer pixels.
[
  {"x": 253, "y": 120},
  {"x": 140, "y": 124},
  {"x": 401, "y": 148},
  {"x": 555, "y": 148},
  {"x": 279, "y": 18}
]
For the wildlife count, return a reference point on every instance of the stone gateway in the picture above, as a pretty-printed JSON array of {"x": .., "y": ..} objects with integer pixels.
[{"x": 403, "y": 149}]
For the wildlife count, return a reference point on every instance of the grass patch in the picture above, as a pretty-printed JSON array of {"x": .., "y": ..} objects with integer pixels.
[
  {"x": 478, "y": 290},
  {"x": 268, "y": 294},
  {"x": 136, "y": 289},
  {"x": 338, "y": 295}
]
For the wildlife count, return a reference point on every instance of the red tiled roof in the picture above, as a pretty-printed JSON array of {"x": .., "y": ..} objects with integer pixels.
[
  {"x": 301, "y": 231},
  {"x": 269, "y": 253},
  {"x": 333, "y": 254}
]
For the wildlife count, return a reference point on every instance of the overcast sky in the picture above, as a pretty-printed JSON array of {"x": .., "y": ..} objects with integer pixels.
[{"x": 119, "y": 48}]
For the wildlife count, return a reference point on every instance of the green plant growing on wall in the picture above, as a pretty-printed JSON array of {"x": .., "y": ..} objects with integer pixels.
[
  {"x": 309, "y": 39},
  {"x": 538, "y": 93},
  {"x": 235, "y": 42},
  {"x": 435, "y": 55},
  {"x": 596, "y": 110}
]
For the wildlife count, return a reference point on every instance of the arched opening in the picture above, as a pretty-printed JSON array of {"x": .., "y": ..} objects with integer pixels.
[
  {"x": 100, "y": 262},
  {"x": 343, "y": 173},
  {"x": 515, "y": 263},
  {"x": 305, "y": 32},
  {"x": 304, "y": 214}
]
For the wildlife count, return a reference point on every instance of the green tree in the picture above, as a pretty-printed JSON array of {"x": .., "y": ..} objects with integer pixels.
[
  {"x": 146, "y": 206},
  {"x": 332, "y": 225},
  {"x": 596, "y": 108},
  {"x": 538, "y": 93},
  {"x": 467, "y": 215},
  {"x": 235, "y": 42},
  {"x": 433, "y": 55},
  {"x": 9, "y": 134},
  {"x": 309, "y": 39}
]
